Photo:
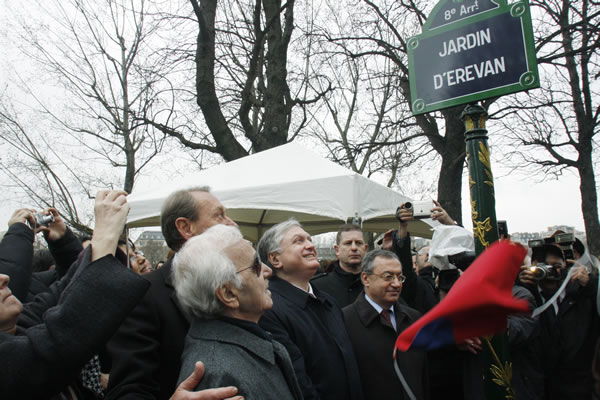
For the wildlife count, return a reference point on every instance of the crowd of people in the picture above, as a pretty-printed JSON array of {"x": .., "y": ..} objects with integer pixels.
[{"x": 223, "y": 319}]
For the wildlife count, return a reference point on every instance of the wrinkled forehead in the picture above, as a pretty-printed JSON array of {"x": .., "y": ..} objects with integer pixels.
[
  {"x": 206, "y": 200},
  {"x": 293, "y": 233}
]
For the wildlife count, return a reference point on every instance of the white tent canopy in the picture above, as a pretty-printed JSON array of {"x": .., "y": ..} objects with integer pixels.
[{"x": 269, "y": 187}]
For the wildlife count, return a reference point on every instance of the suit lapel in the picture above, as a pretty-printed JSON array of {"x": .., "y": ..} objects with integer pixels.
[{"x": 368, "y": 315}]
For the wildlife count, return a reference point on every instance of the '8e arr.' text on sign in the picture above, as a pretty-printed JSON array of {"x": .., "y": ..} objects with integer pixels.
[{"x": 471, "y": 50}]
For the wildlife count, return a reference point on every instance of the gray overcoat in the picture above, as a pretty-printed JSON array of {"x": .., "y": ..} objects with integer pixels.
[{"x": 261, "y": 369}]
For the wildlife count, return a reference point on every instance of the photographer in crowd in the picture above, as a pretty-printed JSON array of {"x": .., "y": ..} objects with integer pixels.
[
  {"x": 17, "y": 251},
  {"x": 70, "y": 323},
  {"x": 417, "y": 292},
  {"x": 566, "y": 332}
]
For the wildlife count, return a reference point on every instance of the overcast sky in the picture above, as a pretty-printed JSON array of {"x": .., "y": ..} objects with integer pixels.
[{"x": 526, "y": 203}]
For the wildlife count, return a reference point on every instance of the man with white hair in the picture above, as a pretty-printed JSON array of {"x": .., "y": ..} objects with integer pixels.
[
  {"x": 305, "y": 320},
  {"x": 222, "y": 286}
]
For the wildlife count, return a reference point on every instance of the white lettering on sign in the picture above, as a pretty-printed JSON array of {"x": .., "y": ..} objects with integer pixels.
[
  {"x": 469, "y": 73},
  {"x": 467, "y": 42},
  {"x": 464, "y": 10}
]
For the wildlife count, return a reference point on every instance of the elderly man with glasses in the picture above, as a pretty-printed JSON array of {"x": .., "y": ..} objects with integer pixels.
[
  {"x": 374, "y": 321},
  {"x": 222, "y": 286}
]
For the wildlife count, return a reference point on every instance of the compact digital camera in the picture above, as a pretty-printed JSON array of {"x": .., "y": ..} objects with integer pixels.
[
  {"x": 43, "y": 220},
  {"x": 420, "y": 209}
]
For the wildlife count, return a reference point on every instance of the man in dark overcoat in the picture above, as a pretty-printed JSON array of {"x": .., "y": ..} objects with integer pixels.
[
  {"x": 374, "y": 321},
  {"x": 146, "y": 351},
  {"x": 305, "y": 320}
]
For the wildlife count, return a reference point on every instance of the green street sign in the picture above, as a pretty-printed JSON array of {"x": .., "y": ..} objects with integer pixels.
[{"x": 471, "y": 50}]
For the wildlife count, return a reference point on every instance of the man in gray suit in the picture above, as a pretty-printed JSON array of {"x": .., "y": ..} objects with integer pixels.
[{"x": 222, "y": 285}]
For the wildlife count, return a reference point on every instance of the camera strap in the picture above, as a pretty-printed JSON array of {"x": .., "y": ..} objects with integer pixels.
[{"x": 554, "y": 298}]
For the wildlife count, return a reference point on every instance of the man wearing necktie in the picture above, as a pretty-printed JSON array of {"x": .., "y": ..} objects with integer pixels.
[{"x": 374, "y": 321}]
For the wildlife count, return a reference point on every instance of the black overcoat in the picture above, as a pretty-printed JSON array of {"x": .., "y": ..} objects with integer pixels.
[
  {"x": 70, "y": 328},
  {"x": 146, "y": 350},
  {"x": 313, "y": 332},
  {"x": 373, "y": 339}
]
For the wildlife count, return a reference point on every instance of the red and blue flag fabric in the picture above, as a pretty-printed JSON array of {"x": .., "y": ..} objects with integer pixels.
[{"x": 477, "y": 305}]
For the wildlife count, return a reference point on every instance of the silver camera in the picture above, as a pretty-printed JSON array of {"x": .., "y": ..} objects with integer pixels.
[
  {"x": 421, "y": 209},
  {"x": 43, "y": 220},
  {"x": 545, "y": 271}
]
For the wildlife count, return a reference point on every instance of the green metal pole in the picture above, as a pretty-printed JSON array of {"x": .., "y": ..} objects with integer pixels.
[{"x": 494, "y": 359}]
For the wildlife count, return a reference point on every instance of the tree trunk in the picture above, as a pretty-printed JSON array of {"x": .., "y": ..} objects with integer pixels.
[
  {"x": 207, "y": 100},
  {"x": 453, "y": 155},
  {"x": 277, "y": 100},
  {"x": 589, "y": 201}
]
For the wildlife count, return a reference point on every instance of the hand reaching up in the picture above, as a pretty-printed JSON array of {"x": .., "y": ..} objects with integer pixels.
[{"x": 111, "y": 211}]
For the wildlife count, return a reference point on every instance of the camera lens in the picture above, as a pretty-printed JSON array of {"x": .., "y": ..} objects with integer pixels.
[{"x": 538, "y": 272}]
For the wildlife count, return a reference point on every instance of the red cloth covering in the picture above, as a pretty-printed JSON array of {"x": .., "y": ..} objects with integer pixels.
[{"x": 477, "y": 304}]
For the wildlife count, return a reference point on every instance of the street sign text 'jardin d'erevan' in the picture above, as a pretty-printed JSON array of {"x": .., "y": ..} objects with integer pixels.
[{"x": 471, "y": 50}]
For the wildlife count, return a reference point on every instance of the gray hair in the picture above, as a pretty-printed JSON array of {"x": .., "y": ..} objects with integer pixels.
[
  {"x": 369, "y": 260},
  {"x": 201, "y": 267},
  {"x": 179, "y": 204},
  {"x": 271, "y": 239}
]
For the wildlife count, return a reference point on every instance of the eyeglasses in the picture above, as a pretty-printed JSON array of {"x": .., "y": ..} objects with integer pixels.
[
  {"x": 256, "y": 265},
  {"x": 389, "y": 277}
]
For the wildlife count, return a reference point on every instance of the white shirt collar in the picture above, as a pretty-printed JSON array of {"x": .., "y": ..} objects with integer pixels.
[{"x": 310, "y": 291}]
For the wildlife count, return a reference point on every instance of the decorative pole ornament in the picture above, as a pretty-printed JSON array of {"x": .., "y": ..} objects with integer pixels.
[
  {"x": 497, "y": 369},
  {"x": 481, "y": 180}
]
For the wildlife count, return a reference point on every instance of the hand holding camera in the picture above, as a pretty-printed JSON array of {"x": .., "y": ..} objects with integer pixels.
[
  {"x": 23, "y": 216},
  {"x": 527, "y": 276},
  {"x": 440, "y": 215},
  {"x": 34, "y": 220},
  {"x": 404, "y": 213},
  {"x": 425, "y": 209},
  {"x": 51, "y": 224},
  {"x": 542, "y": 271}
]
